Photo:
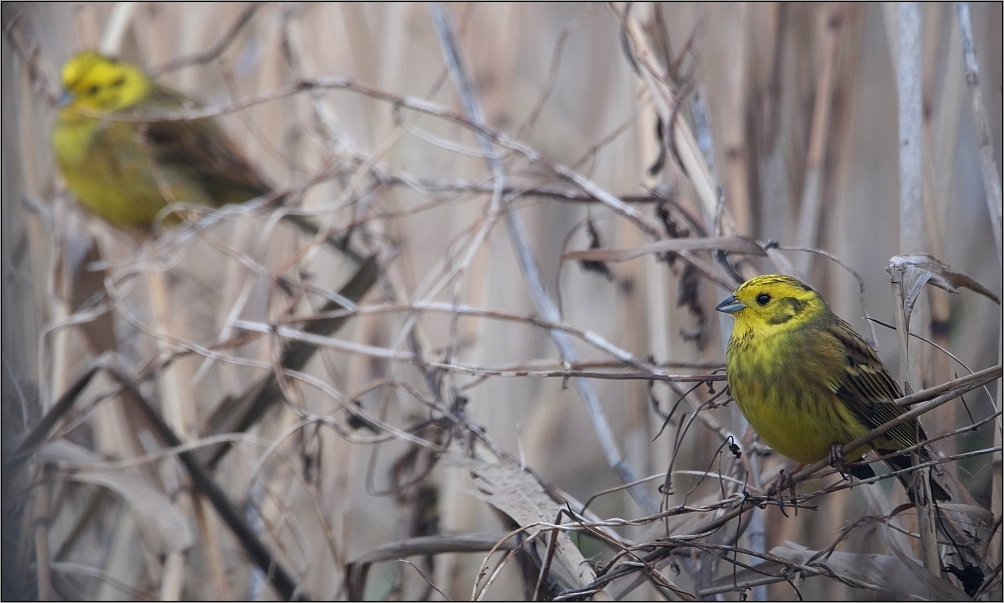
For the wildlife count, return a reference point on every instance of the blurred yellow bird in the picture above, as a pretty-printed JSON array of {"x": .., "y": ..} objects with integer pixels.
[
  {"x": 807, "y": 382},
  {"x": 126, "y": 171}
]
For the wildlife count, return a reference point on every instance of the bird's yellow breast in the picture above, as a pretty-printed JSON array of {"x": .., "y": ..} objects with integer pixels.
[
  {"x": 787, "y": 398},
  {"x": 104, "y": 165}
]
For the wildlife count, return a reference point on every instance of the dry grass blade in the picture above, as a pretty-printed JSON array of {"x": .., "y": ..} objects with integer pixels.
[
  {"x": 163, "y": 528},
  {"x": 731, "y": 244},
  {"x": 519, "y": 495},
  {"x": 919, "y": 269},
  {"x": 941, "y": 589}
]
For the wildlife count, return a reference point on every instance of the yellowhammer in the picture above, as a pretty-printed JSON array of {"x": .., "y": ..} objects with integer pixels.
[
  {"x": 126, "y": 171},
  {"x": 807, "y": 382}
]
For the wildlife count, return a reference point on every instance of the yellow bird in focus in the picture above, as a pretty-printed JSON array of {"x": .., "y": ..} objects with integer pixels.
[
  {"x": 808, "y": 383},
  {"x": 127, "y": 170}
]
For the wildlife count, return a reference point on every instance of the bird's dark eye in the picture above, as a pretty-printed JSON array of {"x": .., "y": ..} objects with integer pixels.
[
  {"x": 763, "y": 298},
  {"x": 93, "y": 89}
]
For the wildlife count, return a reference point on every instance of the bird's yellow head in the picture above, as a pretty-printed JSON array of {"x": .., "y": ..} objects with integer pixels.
[
  {"x": 94, "y": 82},
  {"x": 772, "y": 301}
]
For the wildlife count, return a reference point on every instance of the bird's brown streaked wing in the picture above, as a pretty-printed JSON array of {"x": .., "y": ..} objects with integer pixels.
[
  {"x": 199, "y": 151},
  {"x": 868, "y": 390}
]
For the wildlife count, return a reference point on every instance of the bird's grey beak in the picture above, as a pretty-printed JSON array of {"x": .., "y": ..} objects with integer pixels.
[
  {"x": 730, "y": 305},
  {"x": 65, "y": 98}
]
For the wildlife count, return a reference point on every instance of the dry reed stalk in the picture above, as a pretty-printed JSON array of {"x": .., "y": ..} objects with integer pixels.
[
  {"x": 911, "y": 230},
  {"x": 988, "y": 168},
  {"x": 992, "y": 192}
]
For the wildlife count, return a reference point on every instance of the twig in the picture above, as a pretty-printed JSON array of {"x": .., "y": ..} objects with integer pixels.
[
  {"x": 979, "y": 378},
  {"x": 428, "y": 580},
  {"x": 545, "y": 566},
  {"x": 130, "y": 591},
  {"x": 216, "y": 49}
]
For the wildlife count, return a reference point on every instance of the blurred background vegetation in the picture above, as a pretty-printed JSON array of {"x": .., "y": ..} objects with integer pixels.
[{"x": 396, "y": 454}]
